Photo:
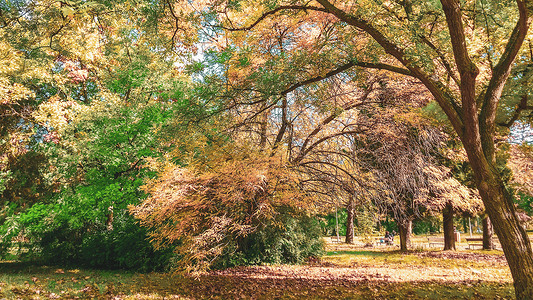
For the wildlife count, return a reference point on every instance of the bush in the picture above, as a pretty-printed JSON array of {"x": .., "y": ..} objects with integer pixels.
[
  {"x": 290, "y": 238},
  {"x": 125, "y": 246}
]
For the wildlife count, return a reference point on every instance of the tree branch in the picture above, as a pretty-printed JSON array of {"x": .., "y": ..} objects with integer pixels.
[
  {"x": 304, "y": 150},
  {"x": 272, "y": 12},
  {"x": 345, "y": 67},
  {"x": 284, "y": 124},
  {"x": 500, "y": 73},
  {"x": 521, "y": 107},
  {"x": 443, "y": 97}
]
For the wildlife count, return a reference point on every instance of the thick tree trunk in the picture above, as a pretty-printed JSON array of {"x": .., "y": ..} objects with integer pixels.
[
  {"x": 447, "y": 224},
  {"x": 487, "y": 234},
  {"x": 501, "y": 210},
  {"x": 405, "y": 229},
  {"x": 350, "y": 209}
]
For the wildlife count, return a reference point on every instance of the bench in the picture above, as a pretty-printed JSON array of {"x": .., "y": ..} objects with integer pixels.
[
  {"x": 474, "y": 241},
  {"x": 433, "y": 240},
  {"x": 336, "y": 239},
  {"x": 383, "y": 241}
]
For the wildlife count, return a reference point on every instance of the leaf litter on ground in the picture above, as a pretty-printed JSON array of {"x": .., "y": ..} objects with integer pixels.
[{"x": 353, "y": 273}]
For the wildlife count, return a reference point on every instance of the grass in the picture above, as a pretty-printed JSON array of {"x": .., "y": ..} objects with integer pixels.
[
  {"x": 26, "y": 281},
  {"x": 414, "y": 258},
  {"x": 31, "y": 281}
]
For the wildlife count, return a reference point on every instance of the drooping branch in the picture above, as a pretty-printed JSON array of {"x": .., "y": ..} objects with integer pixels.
[
  {"x": 337, "y": 167},
  {"x": 345, "y": 67},
  {"x": 273, "y": 12},
  {"x": 323, "y": 139},
  {"x": 304, "y": 149},
  {"x": 284, "y": 124},
  {"x": 443, "y": 59}
]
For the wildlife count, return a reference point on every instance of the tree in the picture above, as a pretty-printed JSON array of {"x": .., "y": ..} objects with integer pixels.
[
  {"x": 71, "y": 73},
  {"x": 432, "y": 45},
  {"x": 206, "y": 213}
]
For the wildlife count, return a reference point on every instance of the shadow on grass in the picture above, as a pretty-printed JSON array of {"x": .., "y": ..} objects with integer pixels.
[
  {"x": 19, "y": 267},
  {"x": 364, "y": 253},
  {"x": 29, "y": 280}
]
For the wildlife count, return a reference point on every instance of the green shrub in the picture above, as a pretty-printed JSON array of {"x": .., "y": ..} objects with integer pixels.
[
  {"x": 125, "y": 246},
  {"x": 289, "y": 238}
]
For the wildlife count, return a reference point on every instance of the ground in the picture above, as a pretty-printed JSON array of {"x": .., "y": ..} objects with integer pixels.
[{"x": 346, "y": 272}]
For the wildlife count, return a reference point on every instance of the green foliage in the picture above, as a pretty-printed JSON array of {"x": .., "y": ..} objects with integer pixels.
[
  {"x": 427, "y": 225},
  {"x": 328, "y": 223},
  {"x": 389, "y": 225},
  {"x": 364, "y": 221},
  {"x": 102, "y": 159},
  {"x": 290, "y": 238},
  {"x": 124, "y": 247},
  {"x": 525, "y": 202}
]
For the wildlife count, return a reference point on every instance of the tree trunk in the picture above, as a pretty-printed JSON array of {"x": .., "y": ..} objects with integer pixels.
[
  {"x": 350, "y": 209},
  {"x": 465, "y": 226},
  {"x": 487, "y": 234},
  {"x": 502, "y": 212},
  {"x": 448, "y": 228},
  {"x": 405, "y": 229}
]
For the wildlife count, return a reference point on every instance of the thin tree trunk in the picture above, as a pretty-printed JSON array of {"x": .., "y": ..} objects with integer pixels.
[
  {"x": 350, "y": 209},
  {"x": 337, "y": 225},
  {"x": 447, "y": 224},
  {"x": 487, "y": 234},
  {"x": 405, "y": 229}
]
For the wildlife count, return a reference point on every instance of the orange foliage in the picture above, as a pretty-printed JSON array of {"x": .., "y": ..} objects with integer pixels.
[{"x": 204, "y": 211}]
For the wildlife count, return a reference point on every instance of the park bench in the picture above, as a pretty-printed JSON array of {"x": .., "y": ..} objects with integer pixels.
[
  {"x": 435, "y": 240},
  {"x": 474, "y": 241},
  {"x": 383, "y": 241},
  {"x": 335, "y": 239}
]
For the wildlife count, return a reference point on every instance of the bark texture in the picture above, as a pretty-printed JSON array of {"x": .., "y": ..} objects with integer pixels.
[
  {"x": 487, "y": 234},
  {"x": 350, "y": 209},
  {"x": 406, "y": 228},
  {"x": 447, "y": 218},
  {"x": 513, "y": 238}
]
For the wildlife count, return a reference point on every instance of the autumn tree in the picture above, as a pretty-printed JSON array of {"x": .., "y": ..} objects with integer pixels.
[
  {"x": 208, "y": 213},
  {"x": 403, "y": 150}
]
